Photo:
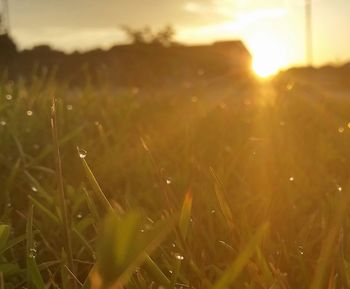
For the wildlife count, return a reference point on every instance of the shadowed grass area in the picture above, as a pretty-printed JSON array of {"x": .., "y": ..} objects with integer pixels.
[{"x": 227, "y": 185}]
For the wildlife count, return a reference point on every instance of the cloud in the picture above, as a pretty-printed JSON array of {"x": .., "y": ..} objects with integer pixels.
[
  {"x": 221, "y": 8},
  {"x": 233, "y": 27}
]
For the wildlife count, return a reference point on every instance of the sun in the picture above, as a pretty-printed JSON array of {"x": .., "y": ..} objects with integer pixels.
[{"x": 269, "y": 56}]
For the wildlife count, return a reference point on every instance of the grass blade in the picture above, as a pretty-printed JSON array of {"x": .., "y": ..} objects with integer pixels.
[
  {"x": 329, "y": 242},
  {"x": 237, "y": 266},
  {"x": 4, "y": 235},
  {"x": 123, "y": 247},
  {"x": 62, "y": 199},
  {"x": 95, "y": 186},
  {"x": 185, "y": 215},
  {"x": 223, "y": 200},
  {"x": 34, "y": 278},
  {"x": 155, "y": 272}
]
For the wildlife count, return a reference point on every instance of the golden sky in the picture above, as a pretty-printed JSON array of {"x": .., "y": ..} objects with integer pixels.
[{"x": 270, "y": 28}]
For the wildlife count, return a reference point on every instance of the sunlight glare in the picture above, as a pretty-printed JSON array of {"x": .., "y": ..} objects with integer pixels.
[{"x": 268, "y": 56}]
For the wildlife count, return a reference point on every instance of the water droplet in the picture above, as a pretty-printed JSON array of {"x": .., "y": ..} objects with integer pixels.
[
  {"x": 82, "y": 153},
  {"x": 173, "y": 245},
  {"x": 179, "y": 257},
  {"x": 170, "y": 271},
  {"x": 2, "y": 123},
  {"x": 339, "y": 188},
  {"x": 168, "y": 181},
  {"x": 213, "y": 212},
  {"x": 142, "y": 230},
  {"x": 79, "y": 215},
  {"x": 341, "y": 129},
  {"x": 32, "y": 253},
  {"x": 9, "y": 205},
  {"x": 349, "y": 125},
  {"x": 291, "y": 179},
  {"x": 69, "y": 107},
  {"x": 34, "y": 189},
  {"x": 8, "y": 97},
  {"x": 29, "y": 113},
  {"x": 301, "y": 250}
]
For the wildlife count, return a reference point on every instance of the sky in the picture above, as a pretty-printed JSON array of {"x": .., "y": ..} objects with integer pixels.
[{"x": 273, "y": 29}]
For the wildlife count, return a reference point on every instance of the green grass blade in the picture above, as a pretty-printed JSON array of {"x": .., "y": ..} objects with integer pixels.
[
  {"x": 4, "y": 235},
  {"x": 185, "y": 215},
  {"x": 13, "y": 242},
  {"x": 123, "y": 247},
  {"x": 95, "y": 186},
  {"x": 45, "y": 210},
  {"x": 342, "y": 206},
  {"x": 223, "y": 200},
  {"x": 241, "y": 261},
  {"x": 34, "y": 277},
  {"x": 155, "y": 272},
  {"x": 92, "y": 206}
]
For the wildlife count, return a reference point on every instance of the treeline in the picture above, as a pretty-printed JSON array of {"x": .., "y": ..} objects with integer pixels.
[{"x": 149, "y": 59}]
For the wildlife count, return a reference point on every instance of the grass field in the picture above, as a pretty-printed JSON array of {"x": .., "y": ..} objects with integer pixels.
[{"x": 220, "y": 185}]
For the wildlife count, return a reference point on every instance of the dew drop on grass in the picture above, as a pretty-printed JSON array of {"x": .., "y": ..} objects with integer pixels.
[
  {"x": 79, "y": 215},
  {"x": 168, "y": 181},
  {"x": 8, "y": 97},
  {"x": 301, "y": 250},
  {"x": 179, "y": 257},
  {"x": 2, "y": 123},
  {"x": 339, "y": 188},
  {"x": 9, "y": 205},
  {"x": 34, "y": 189},
  {"x": 82, "y": 153},
  {"x": 69, "y": 107},
  {"x": 349, "y": 125},
  {"x": 291, "y": 179},
  {"x": 341, "y": 129},
  {"x": 32, "y": 253},
  {"x": 213, "y": 212},
  {"x": 29, "y": 113}
]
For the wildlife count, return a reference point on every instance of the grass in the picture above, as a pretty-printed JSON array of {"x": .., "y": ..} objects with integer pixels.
[{"x": 213, "y": 186}]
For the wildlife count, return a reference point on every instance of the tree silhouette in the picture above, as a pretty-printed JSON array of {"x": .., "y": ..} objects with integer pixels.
[
  {"x": 8, "y": 49},
  {"x": 163, "y": 37}
]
